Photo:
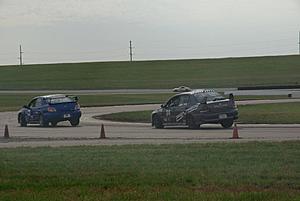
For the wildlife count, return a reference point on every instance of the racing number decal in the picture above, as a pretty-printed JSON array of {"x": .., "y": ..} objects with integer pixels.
[
  {"x": 167, "y": 116},
  {"x": 168, "y": 113}
]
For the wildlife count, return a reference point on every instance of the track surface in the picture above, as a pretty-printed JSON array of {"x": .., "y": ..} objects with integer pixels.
[{"x": 130, "y": 133}]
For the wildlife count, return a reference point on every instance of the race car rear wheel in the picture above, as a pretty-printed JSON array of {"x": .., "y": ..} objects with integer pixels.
[
  {"x": 191, "y": 123},
  {"x": 53, "y": 123},
  {"x": 227, "y": 123},
  {"x": 43, "y": 123},
  {"x": 74, "y": 122}
]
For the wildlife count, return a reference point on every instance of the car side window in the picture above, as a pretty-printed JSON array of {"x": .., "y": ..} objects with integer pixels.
[
  {"x": 44, "y": 101},
  {"x": 192, "y": 100},
  {"x": 38, "y": 102},
  {"x": 32, "y": 103},
  {"x": 183, "y": 100},
  {"x": 174, "y": 102}
]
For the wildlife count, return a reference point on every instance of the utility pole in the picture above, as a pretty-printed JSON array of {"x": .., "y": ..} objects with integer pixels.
[
  {"x": 130, "y": 50},
  {"x": 21, "y": 59},
  {"x": 299, "y": 42}
]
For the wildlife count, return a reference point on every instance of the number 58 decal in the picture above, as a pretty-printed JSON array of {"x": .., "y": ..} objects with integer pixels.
[{"x": 168, "y": 113}]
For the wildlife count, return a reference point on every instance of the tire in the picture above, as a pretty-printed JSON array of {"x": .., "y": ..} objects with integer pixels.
[
  {"x": 74, "y": 122},
  {"x": 227, "y": 123},
  {"x": 22, "y": 120},
  {"x": 53, "y": 123},
  {"x": 43, "y": 123},
  {"x": 157, "y": 122},
  {"x": 191, "y": 123}
]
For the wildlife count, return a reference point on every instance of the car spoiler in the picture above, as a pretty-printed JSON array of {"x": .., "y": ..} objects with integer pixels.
[{"x": 75, "y": 98}]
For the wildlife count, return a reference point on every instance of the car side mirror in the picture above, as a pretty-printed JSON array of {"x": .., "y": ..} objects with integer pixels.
[
  {"x": 163, "y": 106},
  {"x": 26, "y": 106}
]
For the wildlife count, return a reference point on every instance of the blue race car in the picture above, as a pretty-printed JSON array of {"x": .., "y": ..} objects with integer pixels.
[{"x": 50, "y": 109}]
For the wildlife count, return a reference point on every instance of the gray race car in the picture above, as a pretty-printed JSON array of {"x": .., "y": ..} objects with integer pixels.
[{"x": 195, "y": 108}]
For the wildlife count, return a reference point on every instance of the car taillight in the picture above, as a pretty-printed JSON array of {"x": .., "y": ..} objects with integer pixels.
[
  {"x": 231, "y": 103},
  {"x": 51, "y": 109},
  {"x": 231, "y": 100},
  {"x": 77, "y": 106}
]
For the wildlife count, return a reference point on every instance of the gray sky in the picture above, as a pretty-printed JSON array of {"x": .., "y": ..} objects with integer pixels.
[{"x": 52, "y": 31}]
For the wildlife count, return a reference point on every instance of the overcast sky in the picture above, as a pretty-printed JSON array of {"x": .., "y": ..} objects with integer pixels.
[{"x": 52, "y": 31}]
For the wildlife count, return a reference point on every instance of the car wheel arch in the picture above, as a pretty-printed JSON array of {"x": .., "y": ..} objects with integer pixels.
[
  {"x": 191, "y": 121},
  {"x": 19, "y": 117},
  {"x": 157, "y": 121}
]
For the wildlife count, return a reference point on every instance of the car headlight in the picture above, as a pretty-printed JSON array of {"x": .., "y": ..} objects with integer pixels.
[{"x": 77, "y": 106}]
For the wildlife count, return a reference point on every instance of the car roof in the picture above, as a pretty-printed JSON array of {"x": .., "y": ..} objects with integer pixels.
[
  {"x": 52, "y": 96},
  {"x": 197, "y": 91}
]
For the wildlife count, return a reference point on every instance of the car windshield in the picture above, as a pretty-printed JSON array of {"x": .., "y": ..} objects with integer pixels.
[
  {"x": 59, "y": 100},
  {"x": 210, "y": 96}
]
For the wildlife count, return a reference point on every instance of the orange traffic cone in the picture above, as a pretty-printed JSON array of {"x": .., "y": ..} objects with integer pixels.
[
  {"x": 6, "y": 133},
  {"x": 235, "y": 134},
  {"x": 102, "y": 133}
]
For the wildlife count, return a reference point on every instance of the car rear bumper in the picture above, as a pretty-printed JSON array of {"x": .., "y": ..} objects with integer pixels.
[
  {"x": 62, "y": 116},
  {"x": 217, "y": 117}
]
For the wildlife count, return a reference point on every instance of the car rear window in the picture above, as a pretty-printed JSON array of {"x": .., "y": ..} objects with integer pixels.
[
  {"x": 59, "y": 100},
  {"x": 211, "y": 96}
]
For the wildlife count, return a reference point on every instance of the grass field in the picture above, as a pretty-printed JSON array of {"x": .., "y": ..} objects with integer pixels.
[
  {"x": 12, "y": 102},
  {"x": 15, "y": 102},
  {"x": 231, "y": 72},
  {"x": 221, "y": 171},
  {"x": 281, "y": 113}
]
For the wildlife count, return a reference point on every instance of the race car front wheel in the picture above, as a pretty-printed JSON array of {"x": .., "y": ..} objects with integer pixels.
[
  {"x": 22, "y": 120},
  {"x": 157, "y": 122},
  {"x": 227, "y": 123}
]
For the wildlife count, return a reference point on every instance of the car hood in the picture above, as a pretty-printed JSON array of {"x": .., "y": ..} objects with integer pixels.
[{"x": 157, "y": 110}]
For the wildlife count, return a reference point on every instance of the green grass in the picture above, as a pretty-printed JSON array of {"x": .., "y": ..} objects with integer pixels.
[
  {"x": 221, "y": 171},
  {"x": 281, "y": 113},
  {"x": 12, "y": 102},
  {"x": 208, "y": 73},
  {"x": 122, "y": 99},
  {"x": 263, "y": 97}
]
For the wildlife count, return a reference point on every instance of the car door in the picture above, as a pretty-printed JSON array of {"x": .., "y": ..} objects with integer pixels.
[
  {"x": 176, "y": 109},
  {"x": 181, "y": 109},
  {"x": 34, "y": 106},
  {"x": 169, "y": 110}
]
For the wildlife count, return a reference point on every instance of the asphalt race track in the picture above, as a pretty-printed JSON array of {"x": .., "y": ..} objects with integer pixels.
[{"x": 117, "y": 133}]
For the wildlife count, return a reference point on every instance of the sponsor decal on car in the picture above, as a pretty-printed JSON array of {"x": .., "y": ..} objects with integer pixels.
[{"x": 180, "y": 116}]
